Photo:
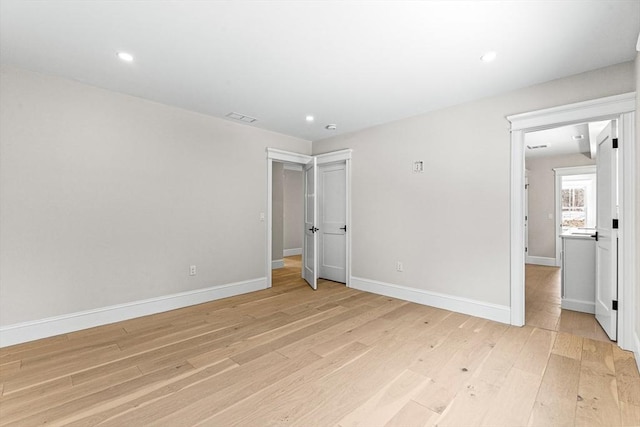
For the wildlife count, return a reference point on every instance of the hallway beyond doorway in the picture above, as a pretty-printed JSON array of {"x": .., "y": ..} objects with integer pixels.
[{"x": 542, "y": 298}]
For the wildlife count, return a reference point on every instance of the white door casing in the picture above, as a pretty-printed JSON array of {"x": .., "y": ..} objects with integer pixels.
[
  {"x": 332, "y": 217},
  {"x": 277, "y": 155},
  {"x": 621, "y": 107},
  {"x": 310, "y": 237},
  {"x": 607, "y": 236}
]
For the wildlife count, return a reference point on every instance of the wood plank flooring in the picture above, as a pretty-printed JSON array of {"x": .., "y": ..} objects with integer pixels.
[
  {"x": 336, "y": 356},
  {"x": 542, "y": 299}
]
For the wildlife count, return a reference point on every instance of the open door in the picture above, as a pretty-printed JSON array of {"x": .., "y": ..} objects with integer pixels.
[
  {"x": 310, "y": 244},
  {"x": 332, "y": 217},
  {"x": 606, "y": 231}
]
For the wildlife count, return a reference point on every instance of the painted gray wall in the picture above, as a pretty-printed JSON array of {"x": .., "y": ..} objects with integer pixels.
[
  {"x": 542, "y": 183},
  {"x": 277, "y": 211},
  {"x": 107, "y": 198},
  {"x": 450, "y": 224},
  {"x": 293, "y": 209}
]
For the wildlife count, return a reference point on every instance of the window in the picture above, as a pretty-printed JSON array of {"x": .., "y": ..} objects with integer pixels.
[
  {"x": 578, "y": 201},
  {"x": 573, "y": 209}
]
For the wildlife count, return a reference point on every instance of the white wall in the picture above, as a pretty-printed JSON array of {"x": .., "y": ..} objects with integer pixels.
[
  {"x": 293, "y": 209},
  {"x": 450, "y": 224},
  {"x": 107, "y": 198},
  {"x": 542, "y": 182}
]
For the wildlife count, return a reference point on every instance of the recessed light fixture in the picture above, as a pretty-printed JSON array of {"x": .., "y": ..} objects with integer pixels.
[
  {"x": 330, "y": 127},
  {"x": 309, "y": 118},
  {"x": 535, "y": 147},
  {"x": 577, "y": 137},
  {"x": 489, "y": 56},
  {"x": 126, "y": 57}
]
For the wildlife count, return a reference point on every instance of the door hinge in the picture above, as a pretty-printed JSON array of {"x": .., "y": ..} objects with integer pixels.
[
  {"x": 614, "y": 305},
  {"x": 615, "y": 224},
  {"x": 615, "y": 142}
]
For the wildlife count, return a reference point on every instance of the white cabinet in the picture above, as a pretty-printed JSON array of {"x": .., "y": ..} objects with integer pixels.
[{"x": 578, "y": 273}]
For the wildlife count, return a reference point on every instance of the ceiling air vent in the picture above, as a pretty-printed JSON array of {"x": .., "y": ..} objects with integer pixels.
[
  {"x": 241, "y": 117},
  {"x": 534, "y": 147}
]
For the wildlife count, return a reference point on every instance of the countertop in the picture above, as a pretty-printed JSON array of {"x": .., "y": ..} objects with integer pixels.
[{"x": 578, "y": 234}]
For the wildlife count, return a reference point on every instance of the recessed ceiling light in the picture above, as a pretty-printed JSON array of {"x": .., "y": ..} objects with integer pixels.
[
  {"x": 489, "y": 56},
  {"x": 330, "y": 127},
  {"x": 577, "y": 137},
  {"x": 127, "y": 57},
  {"x": 309, "y": 118}
]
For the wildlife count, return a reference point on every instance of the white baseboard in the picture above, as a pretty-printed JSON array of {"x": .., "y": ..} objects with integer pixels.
[
  {"x": 292, "y": 252},
  {"x": 498, "y": 313},
  {"x": 277, "y": 263},
  {"x": 578, "y": 305},
  {"x": 636, "y": 349},
  {"x": 43, "y": 328},
  {"x": 541, "y": 260}
]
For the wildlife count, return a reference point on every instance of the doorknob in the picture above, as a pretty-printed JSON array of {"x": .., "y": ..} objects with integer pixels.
[
  {"x": 344, "y": 228},
  {"x": 313, "y": 229}
]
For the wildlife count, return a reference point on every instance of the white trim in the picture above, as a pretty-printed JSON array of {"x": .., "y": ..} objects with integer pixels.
[
  {"x": 277, "y": 263},
  {"x": 627, "y": 287},
  {"x": 541, "y": 260},
  {"x": 574, "y": 113},
  {"x": 578, "y": 305},
  {"x": 334, "y": 156},
  {"x": 495, "y": 312},
  {"x": 274, "y": 154},
  {"x": 558, "y": 174},
  {"x": 619, "y": 107},
  {"x": 51, "y": 326},
  {"x": 636, "y": 349},
  {"x": 287, "y": 156},
  {"x": 292, "y": 252}
]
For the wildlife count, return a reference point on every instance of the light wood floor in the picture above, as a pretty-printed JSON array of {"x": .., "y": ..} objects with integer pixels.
[
  {"x": 542, "y": 305},
  {"x": 336, "y": 356}
]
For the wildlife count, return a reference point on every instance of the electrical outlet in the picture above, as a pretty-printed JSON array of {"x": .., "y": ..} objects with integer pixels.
[
  {"x": 399, "y": 266},
  {"x": 192, "y": 270}
]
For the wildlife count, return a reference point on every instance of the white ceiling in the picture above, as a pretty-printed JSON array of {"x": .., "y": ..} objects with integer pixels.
[
  {"x": 560, "y": 141},
  {"x": 352, "y": 63}
]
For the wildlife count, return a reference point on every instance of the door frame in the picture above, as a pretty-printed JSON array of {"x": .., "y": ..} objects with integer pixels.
[
  {"x": 621, "y": 107},
  {"x": 274, "y": 154}
]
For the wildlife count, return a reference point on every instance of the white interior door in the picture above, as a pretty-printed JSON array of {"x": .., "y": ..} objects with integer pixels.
[
  {"x": 526, "y": 218},
  {"x": 332, "y": 217},
  {"x": 310, "y": 246},
  {"x": 607, "y": 238}
]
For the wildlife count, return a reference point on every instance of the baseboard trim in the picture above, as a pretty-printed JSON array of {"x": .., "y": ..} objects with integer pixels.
[
  {"x": 541, "y": 260},
  {"x": 636, "y": 349},
  {"x": 292, "y": 252},
  {"x": 51, "y": 326},
  {"x": 277, "y": 263},
  {"x": 498, "y": 313},
  {"x": 579, "y": 305}
]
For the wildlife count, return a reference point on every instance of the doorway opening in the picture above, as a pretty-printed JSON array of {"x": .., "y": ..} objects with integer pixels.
[
  {"x": 622, "y": 109},
  {"x": 287, "y": 223},
  {"x": 560, "y": 217},
  {"x": 325, "y": 245}
]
